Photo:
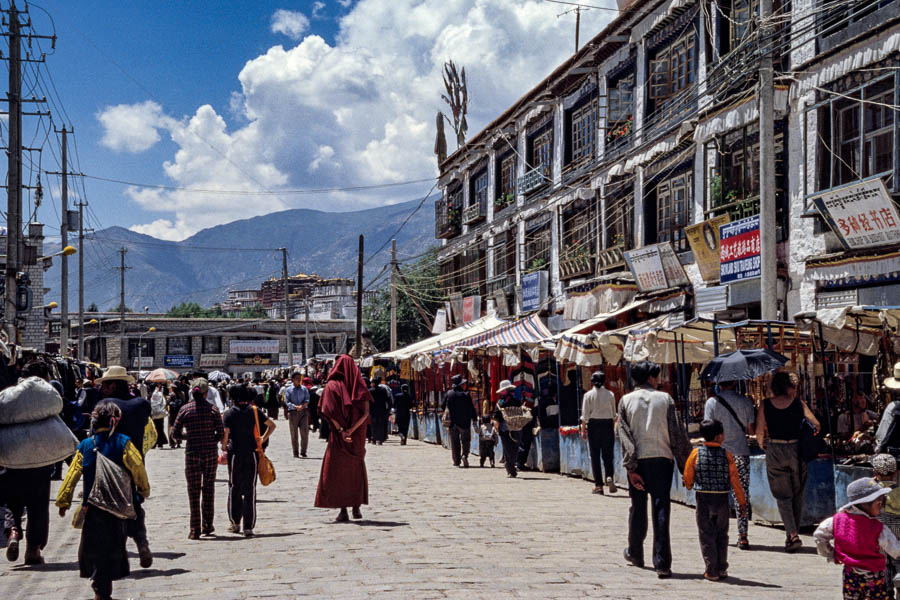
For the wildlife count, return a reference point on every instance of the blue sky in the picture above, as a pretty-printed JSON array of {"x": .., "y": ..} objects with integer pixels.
[{"x": 272, "y": 96}]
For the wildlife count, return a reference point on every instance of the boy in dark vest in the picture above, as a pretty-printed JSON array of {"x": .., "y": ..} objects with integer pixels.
[{"x": 710, "y": 471}]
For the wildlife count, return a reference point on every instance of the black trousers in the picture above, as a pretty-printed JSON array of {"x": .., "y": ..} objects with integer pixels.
[
  {"x": 486, "y": 451},
  {"x": 136, "y": 528},
  {"x": 712, "y": 523},
  {"x": 28, "y": 490},
  {"x": 242, "y": 474},
  {"x": 600, "y": 444},
  {"x": 510, "y": 444},
  {"x": 657, "y": 476},
  {"x": 460, "y": 442},
  {"x": 161, "y": 439},
  {"x": 526, "y": 438}
]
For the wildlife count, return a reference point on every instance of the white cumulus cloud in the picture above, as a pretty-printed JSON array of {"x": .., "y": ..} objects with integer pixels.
[
  {"x": 290, "y": 23},
  {"x": 356, "y": 111},
  {"x": 131, "y": 127}
]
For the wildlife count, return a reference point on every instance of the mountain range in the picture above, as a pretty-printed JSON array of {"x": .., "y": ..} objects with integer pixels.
[{"x": 238, "y": 255}]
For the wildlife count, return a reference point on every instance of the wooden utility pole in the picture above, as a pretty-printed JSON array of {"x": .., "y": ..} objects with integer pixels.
[
  {"x": 123, "y": 347},
  {"x": 359, "y": 297},
  {"x": 768, "y": 261},
  {"x": 64, "y": 260},
  {"x": 81, "y": 206},
  {"x": 577, "y": 26},
  {"x": 13, "y": 173},
  {"x": 287, "y": 307},
  {"x": 393, "y": 295}
]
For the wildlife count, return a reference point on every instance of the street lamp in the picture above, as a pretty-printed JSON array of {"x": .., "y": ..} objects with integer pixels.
[
  {"x": 67, "y": 251},
  {"x": 141, "y": 349},
  {"x": 100, "y": 336}
]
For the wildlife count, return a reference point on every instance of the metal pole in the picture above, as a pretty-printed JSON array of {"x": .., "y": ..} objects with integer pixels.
[
  {"x": 715, "y": 336},
  {"x": 359, "y": 297},
  {"x": 64, "y": 260},
  {"x": 14, "y": 173},
  {"x": 287, "y": 311},
  {"x": 393, "y": 295},
  {"x": 123, "y": 347},
  {"x": 81, "y": 281},
  {"x": 768, "y": 260},
  {"x": 307, "y": 342}
]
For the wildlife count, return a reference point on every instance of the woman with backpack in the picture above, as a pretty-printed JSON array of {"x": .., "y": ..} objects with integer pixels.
[{"x": 102, "y": 556}]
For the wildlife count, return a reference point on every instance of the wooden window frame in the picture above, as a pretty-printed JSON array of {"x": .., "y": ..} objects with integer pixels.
[
  {"x": 670, "y": 219},
  {"x": 541, "y": 151},
  {"x": 583, "y": 129},
  {"x": 674, "y": 69}
]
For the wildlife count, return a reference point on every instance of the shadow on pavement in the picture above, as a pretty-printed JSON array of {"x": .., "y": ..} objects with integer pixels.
[
  {"x": 145, "y": 573},
  {"x": 367, "y": 523},
  {"x": 258, "y": 500},
  {"x": 165, "y": 555},
  {"x": 730, "y": 581},
  {"x": 237, "y": 536},
  {"x": 47, "y": 567},
  {"x": 780, "y": 549}
]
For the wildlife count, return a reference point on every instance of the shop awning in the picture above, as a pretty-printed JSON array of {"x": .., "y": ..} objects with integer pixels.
[
  {"x": 527, "y": 330},
  {"x": 448, "y": 338},
  {"x": 846, "y": 269},
  {"x": 576, "y": 345},
  {"x": 656, "y": 339},
  {"x": 854, "y": 328}
]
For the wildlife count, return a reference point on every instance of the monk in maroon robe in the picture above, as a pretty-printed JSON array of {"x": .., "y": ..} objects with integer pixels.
[{"x": 345, "y": 403}]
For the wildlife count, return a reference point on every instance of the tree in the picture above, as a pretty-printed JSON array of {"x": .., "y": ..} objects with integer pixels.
[
  {"x": 93, "y": 307},
  {"x": 422, "y": 277},
  {"x": 192, "y": 310},
  {"x": 118, "y": 308}
]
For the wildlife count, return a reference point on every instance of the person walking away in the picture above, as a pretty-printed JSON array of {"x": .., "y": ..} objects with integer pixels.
[
  {"x": 381, "y": 402},
  {"x": 177, "y": 399},
  {"x": 462, "y": 412},
  {"x": 343, "y": 481},
  {"x": 887, "y": 437},
  {"x": 598, "y": 413},
  {"x": 510, "y": 443},
  {"x": 653, "y": 442},
  {"x": 779, "y": 419},
  {"x": 272, "y": 404},
  {"x": 240, "y": 444},
  {"x": 27, "y": 491},
  {"x": 135, "y": 416},
  {"x": 856, "y": 539},
  {"x": 88, "y": 398},
  {"x": 158, "y": 414},
  {"x": 711, "y": 472},
  {"x": 199, "y": 424},
  {"x": 737, "y": 415},
  {"x": 487, "y": 440},
  {"x": 313, "y": 390},
  {"x": 402, "y": 406},
  {"x": 102, "y": 556},
  {"x": 296, "y": 402}
]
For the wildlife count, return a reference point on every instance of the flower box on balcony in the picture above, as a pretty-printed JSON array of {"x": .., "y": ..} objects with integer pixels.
[
  {"x": 474, "y": 213},
  {"x": 576, "y": 265},
  {"x": 533, "y": 179}
]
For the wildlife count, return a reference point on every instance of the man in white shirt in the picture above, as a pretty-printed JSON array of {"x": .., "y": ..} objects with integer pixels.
[{"x": 598, "y": 413}]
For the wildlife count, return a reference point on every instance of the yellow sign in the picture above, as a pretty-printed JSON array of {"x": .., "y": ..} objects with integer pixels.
[
  {"x": 704, "y": 240},
  {"x": 257, "y": 360}
]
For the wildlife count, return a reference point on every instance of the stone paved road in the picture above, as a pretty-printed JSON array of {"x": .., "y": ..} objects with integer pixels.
[{"x": 432, "y": 531}]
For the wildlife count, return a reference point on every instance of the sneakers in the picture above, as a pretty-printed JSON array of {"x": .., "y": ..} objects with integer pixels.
[
  {"x": 146, "y": 557},
  {"x": 234, "y": 528},
  {"x": 598, "y": 489},
  {"x": 12, "y": 549},
  {"x": 208, "y": 530},
  {"x": 611, "y": 485},
  {"x": 248, "y": 533}
]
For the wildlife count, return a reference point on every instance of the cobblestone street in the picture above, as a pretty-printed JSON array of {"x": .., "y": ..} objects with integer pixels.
[{"x": 431, "y": 531}]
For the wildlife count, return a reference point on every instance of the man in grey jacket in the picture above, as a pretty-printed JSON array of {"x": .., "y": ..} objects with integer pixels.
[{"x": 652, "y": 442}]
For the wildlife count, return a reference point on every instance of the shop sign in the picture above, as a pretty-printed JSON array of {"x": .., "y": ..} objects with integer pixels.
[
  {"x": 283, "y": 359},
  {"x": 739, "y": 250},
  {"x": 212, "y": 360},
  {"x": 704, "y": 241},
  {"x": 471, "y": 308},
  {"x": 253, "y": 347},
  {"x": 862, "y": 214},
  {"x": 656, "y": 267},
  {"x": 534, "y": 290},
  {"x": 258, "y": 360},
  {"x": 178, "y": 360},
  {"x": 145, "y": 361}
]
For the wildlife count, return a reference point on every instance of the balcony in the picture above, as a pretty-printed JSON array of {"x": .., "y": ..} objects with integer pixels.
[
  {"x": 534, "y": 179},
  {"x": 611, "y": 258},
  {"x": 447, "y": 220},
  {"x": 576, "y": 262},
  {"x": 507, "y": 283},
  {"x": 474, "y": 213}
]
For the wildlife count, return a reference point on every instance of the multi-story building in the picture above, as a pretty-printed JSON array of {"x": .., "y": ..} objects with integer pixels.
[
  {"x": 653, "y": 127},
  {"x": 239, "y": 300},
  {"x": 33, "y": 324}
]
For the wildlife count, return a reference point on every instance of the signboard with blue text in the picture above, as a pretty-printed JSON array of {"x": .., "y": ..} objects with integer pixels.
[
  {"x": 739, "y": 250},
  {"x": 534, "y": 290},
  {"x": 178, "y": 360}
]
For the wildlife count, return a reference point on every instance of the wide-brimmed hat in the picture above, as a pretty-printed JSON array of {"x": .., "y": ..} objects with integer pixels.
[
  {"x": 506, "y": 384},
  {"x": 864, "y": 490},
  {"x": 116, "y": 373},
  {"x": 893, "y": 383}
]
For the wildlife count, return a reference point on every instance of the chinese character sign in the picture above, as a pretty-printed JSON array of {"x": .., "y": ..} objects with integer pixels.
[
  {"x": 739, "y": 250},
  {"x": 861, "y": 214},
  {"x": 647, "y": 267}
]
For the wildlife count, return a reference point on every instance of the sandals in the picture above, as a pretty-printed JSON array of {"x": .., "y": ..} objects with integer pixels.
[{"x": 793, "y": 544}]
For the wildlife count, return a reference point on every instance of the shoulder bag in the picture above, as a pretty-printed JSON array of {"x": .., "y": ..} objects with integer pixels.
[
  {"x": 266, "y": 469},
  {"x": 112, "y": 489},
  {"x": 811, "y": 444}
]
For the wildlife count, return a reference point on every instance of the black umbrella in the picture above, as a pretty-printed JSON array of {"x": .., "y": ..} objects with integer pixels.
[{"x": 742, "y": 365}]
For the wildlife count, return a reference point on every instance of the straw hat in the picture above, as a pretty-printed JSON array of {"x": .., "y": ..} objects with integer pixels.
[
  {"x": 893, "y": 383},
  {"x": 864, "y": 490},
  {"x": 116, "y": 373},
  {"x": 506, "y": 384}
]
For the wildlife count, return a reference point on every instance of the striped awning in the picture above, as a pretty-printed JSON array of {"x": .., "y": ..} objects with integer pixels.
[{"x": 527, "y": 330}]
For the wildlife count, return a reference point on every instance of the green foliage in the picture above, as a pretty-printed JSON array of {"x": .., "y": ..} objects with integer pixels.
[
  {"x": 118, "y": 308},
  {"x": 93, "y": 307},
  {"x": 192, "y": 310},
  {"x": 423, "y": 285}
]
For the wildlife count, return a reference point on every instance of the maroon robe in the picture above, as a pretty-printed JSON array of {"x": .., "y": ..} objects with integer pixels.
[{"x": 343, "y": 481}]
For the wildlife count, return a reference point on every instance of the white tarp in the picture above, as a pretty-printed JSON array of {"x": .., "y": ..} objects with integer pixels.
[
  {"x": 659, "y": 15},
  {"x": 743, "y": 113},
  {"x": 863, "y": 268},
  {"x": 853, "y": 328}
]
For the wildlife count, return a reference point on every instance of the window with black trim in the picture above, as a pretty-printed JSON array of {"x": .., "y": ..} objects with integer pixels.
[
  {"x": 620, "y": 109},
  {"x": 537, "y": 244},
  {"x": 178, "y": 345},
  {"x": 618, "y": 215},
  {"x": 477, "y": 207},
  {"x": 506, "y": 181},
  {"x": 505, "y": 253},
  {"x": 673, "y": 69},
  {"x": 673, "y": 214},
  {"x": 212, "y": 344},
  {"x": 540, "y": 151}
]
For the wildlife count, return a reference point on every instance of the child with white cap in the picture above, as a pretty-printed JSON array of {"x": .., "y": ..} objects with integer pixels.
[{"x": 857, "y": 539}]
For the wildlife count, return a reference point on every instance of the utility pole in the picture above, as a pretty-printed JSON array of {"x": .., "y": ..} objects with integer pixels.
[
  {"x": 307, "y": 345},
  {"x": 64, "y": 260},
  {"x": 577, "y": 26},
  {"x": 359, "y": 297},
  {"x": 81, "y": 280},
  {"x": 287, "y": 310},
  {"x": 123, "y": 347},
  {"x": 768, "y": 260},
  {"x": 14, "y": 173},
  {"x": 393, "y": 295}
]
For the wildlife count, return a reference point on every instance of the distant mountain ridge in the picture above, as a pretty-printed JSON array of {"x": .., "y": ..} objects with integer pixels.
[{"x": 238, "y": 255}]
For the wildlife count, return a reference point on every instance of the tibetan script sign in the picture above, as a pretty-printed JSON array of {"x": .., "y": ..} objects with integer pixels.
[
  {"x": 739, "y": 250},
  {"x": 253, "y": 347},
  {"x": 862, "y": 214}
]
